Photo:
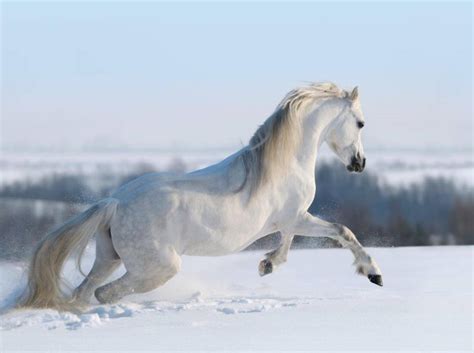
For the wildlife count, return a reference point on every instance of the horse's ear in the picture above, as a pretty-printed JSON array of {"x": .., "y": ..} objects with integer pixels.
[{"x": 354, "y": 94}]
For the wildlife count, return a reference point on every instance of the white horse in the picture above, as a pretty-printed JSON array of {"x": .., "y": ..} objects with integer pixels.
[{"x": 266, "y": 187}]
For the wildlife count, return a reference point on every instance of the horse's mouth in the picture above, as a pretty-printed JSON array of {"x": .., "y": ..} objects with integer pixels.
[
  {"x": 355, "y": 168},
  {"x": 357, "y": 165}
]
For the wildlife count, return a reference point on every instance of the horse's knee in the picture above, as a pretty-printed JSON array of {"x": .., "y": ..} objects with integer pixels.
[{"x": 344, "y": 234}]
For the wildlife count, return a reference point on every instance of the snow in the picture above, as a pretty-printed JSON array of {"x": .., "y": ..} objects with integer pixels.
[
  {"x": 394, "y": 166},
  {"x": 314, "y": 302}
]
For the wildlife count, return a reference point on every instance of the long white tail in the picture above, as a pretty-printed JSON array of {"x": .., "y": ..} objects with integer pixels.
[{"x": 44, "y": 279}]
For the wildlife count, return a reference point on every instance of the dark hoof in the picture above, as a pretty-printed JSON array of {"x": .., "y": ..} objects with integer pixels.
[
  {"x": 377, "y": 279},
  {"x": 98, "y": 293},
  {"x": 265, "y": 267}
]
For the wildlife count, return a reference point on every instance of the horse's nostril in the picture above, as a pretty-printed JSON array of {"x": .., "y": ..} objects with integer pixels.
[{"x": 357, "y": 164}]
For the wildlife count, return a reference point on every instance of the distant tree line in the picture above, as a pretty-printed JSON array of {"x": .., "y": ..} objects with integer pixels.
[{"x": 435, "y": 211}]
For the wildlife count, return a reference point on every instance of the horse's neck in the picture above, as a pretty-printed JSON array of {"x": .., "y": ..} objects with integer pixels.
[{"x": 314, "y": 129}]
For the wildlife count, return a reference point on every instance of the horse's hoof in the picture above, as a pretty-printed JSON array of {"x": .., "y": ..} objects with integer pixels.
[
  {"x": 265, "y": 267},
  {"x": 101, "y": 296},
  {"x": 377, "y": 279},
  {"x": 98, "y": 293}
]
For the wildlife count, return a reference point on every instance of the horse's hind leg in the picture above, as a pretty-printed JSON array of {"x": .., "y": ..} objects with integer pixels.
[
  {"x": 145, "y": 272},
  {"x": 106, "y": 262}
]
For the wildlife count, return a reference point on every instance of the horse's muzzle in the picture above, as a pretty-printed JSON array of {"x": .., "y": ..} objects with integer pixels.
[{"x": 357, "y": 165}]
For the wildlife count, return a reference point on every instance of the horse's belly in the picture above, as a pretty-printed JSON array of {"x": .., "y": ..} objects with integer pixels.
[
  {"x": 210, "y": 244},
  {"x": 218, "y": 230},
  {"x": 193, "y": 223}
]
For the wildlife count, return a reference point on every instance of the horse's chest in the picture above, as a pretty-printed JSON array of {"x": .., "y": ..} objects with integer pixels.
[
  {"x": 288, "y": 201},
  {"x": 298, "y": 193}
]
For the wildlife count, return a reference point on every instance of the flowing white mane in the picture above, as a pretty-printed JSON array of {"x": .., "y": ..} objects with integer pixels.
[{"x": 275, "y": 140}]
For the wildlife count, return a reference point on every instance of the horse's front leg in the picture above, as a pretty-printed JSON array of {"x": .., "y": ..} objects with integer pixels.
[
  {"x": 276, "y": 257},
  {"x": 308, "y": 225}
]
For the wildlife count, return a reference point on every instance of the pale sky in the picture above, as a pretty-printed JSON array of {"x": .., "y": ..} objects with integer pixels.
[{"x": 205, "y": 75}]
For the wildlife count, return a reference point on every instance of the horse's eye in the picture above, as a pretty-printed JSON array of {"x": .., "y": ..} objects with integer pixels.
[{"x": 360, "y": 124}]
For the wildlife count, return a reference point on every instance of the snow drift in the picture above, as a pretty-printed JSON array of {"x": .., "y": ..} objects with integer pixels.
[{"x": 314, "y": 302}]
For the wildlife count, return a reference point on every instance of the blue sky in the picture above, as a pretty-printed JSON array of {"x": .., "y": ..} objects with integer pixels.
[{"x": 189, "y": 75}]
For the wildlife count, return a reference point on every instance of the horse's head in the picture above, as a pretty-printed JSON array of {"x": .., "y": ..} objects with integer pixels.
[{"x": 344, "y": 134}]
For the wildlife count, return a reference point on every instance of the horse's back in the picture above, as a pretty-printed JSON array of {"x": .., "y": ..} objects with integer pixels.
[
  {"x": 199, "y": 213},
  {"x": 227, "y": 176}
]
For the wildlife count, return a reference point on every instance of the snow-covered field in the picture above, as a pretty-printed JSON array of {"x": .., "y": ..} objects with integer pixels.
[
  {"x": 315, "y": 302},
  {"x": 394, "y": 167}
]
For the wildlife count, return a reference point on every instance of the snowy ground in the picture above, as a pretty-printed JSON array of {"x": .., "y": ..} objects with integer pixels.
[{"x": 315, "y": 302}]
